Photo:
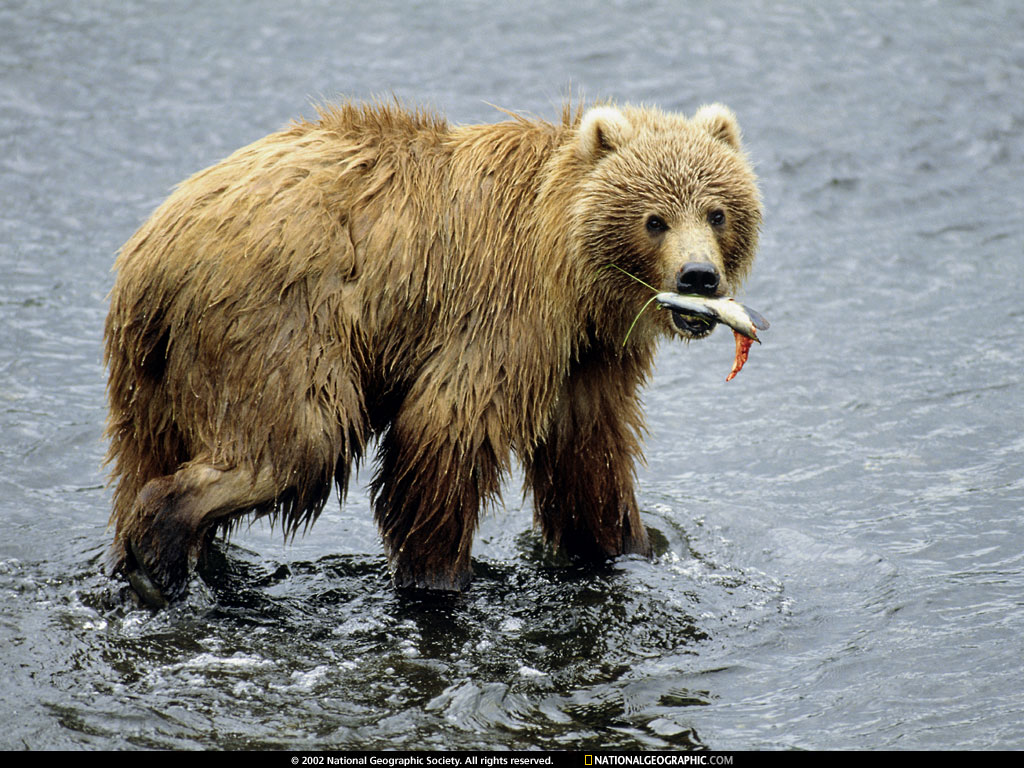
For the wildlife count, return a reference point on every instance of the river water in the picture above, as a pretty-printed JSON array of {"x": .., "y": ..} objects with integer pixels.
[{"x": 840, "y": 528}]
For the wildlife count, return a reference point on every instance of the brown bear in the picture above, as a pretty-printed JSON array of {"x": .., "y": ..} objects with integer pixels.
[{"x": 462, "y": 293}]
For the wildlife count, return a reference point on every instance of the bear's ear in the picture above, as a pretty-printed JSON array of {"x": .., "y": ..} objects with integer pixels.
[
  {"x": 720, "y": 122},
  {"x": 602, "y": 130}
]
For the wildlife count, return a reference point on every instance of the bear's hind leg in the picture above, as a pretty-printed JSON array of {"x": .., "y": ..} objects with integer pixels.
[{"x": 162, "y": 539}]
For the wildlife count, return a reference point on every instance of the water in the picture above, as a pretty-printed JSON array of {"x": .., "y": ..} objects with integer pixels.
[{"x": 839, "y": 528}]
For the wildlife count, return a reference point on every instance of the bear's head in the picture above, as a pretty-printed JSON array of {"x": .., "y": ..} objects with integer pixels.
[{"x": 670, "y": 200}]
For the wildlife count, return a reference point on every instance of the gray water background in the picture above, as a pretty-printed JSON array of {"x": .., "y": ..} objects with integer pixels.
[{"x": 840, "y": 527}]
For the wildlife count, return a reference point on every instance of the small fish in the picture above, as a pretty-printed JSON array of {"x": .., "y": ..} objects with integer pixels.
[
  {"x": 728, "y": 311},
  {"x": 744, "y": 321}
]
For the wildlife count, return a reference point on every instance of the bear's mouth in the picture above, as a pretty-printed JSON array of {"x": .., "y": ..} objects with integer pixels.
[{"x": 694, "y": 326}]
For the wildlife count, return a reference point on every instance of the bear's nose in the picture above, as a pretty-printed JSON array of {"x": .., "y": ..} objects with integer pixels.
[{"x": 697, "y": 277}]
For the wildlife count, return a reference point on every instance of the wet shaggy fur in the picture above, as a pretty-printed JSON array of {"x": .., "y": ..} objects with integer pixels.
[{"x": 447, "y": 289}]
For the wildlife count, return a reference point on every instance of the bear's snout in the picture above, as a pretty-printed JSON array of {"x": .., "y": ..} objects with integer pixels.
[{"x": 697, "y": 277}]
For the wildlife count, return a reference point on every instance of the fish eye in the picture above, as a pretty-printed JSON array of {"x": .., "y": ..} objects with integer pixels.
[
  {"x": 656, "y": 225},
  {"x": 716, "y": 218}
]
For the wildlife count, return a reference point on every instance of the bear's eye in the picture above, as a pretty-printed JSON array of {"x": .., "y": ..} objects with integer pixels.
[
  {"x": 656, "y": 225},
  {"x": 716, "y": 218}
]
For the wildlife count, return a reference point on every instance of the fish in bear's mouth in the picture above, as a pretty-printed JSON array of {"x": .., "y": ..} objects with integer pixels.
[{"x": 697, "y": 315}]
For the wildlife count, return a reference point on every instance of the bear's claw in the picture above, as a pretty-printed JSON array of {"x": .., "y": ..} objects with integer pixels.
[
  {"x": 406, "y": 579},
  {"x": 157, "y": 584},
  {"x": 140, "y": 580}
]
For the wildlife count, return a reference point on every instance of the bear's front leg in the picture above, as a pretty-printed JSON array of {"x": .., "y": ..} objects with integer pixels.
[
  {"x": 427, "y": 495},
  {"x": 582, "y": 473}
]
